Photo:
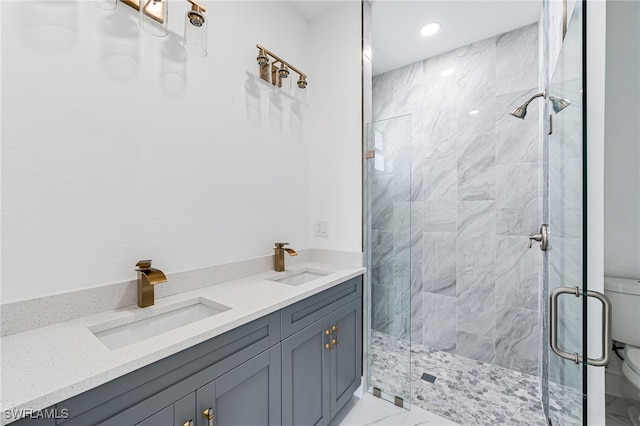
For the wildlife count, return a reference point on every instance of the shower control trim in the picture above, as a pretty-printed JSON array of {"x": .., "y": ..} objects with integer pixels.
[{"x": 542, "y": 237}]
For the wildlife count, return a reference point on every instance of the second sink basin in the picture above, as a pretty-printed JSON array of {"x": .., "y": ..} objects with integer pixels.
[
  {"x": 139, "y": 329},
  {"x": 302, "y": 276}
]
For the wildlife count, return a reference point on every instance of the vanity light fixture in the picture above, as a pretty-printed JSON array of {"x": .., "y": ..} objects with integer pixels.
[
  {"x": 195, "y": 30},
  {"x": 154, "y": 19},
  {"x": 279, "y": 68}
]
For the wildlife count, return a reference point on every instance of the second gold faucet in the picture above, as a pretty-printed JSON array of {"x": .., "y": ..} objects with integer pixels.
[{"x": 278, "y": 260}]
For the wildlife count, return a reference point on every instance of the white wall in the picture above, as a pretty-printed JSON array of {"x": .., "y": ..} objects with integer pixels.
[
  {"x": 622, "y": 147},
  {"x": 335, "y": 127},
  {"x": 117, "y": 147}
]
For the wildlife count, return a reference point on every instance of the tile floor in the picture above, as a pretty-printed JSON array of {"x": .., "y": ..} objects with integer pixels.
[
  {"x": 488, "y": 393},
  {"x": 617, "y": 410}
]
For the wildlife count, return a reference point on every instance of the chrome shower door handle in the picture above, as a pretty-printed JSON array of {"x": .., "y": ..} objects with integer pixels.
[
  {"x": 542, "y": 237},
  {"x": 606, "y": 326}
]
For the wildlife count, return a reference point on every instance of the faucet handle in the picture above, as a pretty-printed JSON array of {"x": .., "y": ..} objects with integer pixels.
[
  {"x": 143, "y": 265},
  {"x": 280, "y": 245}
]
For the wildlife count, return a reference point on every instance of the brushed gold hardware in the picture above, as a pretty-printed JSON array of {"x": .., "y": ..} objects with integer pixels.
[
  {"x": 334, "y": 342},
  {"x": 327, "y": 332},
  {"x": 188, "y": 423},
  {"x": 208, "y": 414},
  {"x": 334, "y": 328},
  {"x": 278, "y": 260},
  {"x": 196, "y": 7},
  {"x": 327, "y": 346},
  {"x": 155, "y": 14},
  {"x": 147, "y": 278},
  {"x": 277, "y": 73},
  {"x": 370, "y": 154}
]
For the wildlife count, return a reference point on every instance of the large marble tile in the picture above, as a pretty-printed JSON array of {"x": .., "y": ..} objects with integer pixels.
[
  {"x": 517, "y": 199},
  {"x": 439, "y": 153},
  {"x": 517, "y": 141},
  {"x": 480, "y": 348},
  {"x": 439, "y": 328},
  {"x": 516, "y": 337},
  {"x": 416, "y": 302},
  {"x": 382, "y": 202},
  {"x": 440, "y": 201},
  {"x": 417, "y": 229},
  {"x": 417, "y": 172},
  {"x": 439, "y": 263},
  {"x": 517, "y": 270},
  {"x": 476, "y": 87},
  {"x": 402, "y": 231},
  {"x": 476, "y": 239},
  {"x": 382, "y": 97},
  {"x": 476, "y": 309},
  {"x": 402, "y": 172},
  {"x": 382, "y": 247},
  {"x": 565, "y": 198},
  {"x": 517, "y": 59},
  {"x": 476, "y": 167}
]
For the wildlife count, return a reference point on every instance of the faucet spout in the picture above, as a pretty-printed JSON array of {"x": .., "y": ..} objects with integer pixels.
[
  {"x": 278, "y": 260},
  {"x": 147, "y": 278}
]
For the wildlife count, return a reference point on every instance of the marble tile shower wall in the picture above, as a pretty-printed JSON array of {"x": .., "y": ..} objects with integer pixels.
[{"x": 474, "y": 198}]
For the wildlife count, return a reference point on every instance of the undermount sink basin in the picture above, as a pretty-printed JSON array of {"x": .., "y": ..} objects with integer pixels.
[
  {"x": 301, "y": 277},
  {"x": 121, "y": 335}
]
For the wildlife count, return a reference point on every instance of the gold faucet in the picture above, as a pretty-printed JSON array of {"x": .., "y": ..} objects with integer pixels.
[
  {"x": 147, "y": 278},
  {"x": 278, "y": 261}
]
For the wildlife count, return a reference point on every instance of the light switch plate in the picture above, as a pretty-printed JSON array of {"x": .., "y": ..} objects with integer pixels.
[{"x": 321, "y": 228}]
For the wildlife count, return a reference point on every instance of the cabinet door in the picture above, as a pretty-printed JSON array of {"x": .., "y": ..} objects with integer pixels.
[
  {"x": 346, "y": 355},
  {"x": 163, "y": 417},
  {"x": 305, "y": 376},
  {"x": 184, "y": 411},
  {"x": 247, "y": 395}
]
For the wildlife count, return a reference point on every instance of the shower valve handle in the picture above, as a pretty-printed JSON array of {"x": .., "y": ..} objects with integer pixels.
[{"x": 542, "y": 237}]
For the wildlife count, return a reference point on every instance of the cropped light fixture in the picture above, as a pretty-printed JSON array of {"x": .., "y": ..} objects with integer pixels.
[
  {"x": 279, "y": 68},
  {"x": 195, "y": 30},
  {"x": 154, "y": 19}
]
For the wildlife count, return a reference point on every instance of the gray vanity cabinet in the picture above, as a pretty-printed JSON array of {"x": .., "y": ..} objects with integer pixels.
[
  {"x": 296, "y": 366},
  {"x": 247, "y": 395},
  {"x": 321, "y": 363}
]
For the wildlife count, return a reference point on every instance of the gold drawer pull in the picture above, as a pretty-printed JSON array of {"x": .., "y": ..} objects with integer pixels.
[{"x": 208, "y": 414}]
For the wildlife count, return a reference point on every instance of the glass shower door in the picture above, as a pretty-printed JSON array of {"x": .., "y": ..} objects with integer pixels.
[
  {"x": 388, "y": 249},
  {"x": 564, "y": 261}
]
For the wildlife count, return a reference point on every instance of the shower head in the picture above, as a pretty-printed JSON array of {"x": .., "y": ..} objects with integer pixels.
[
  {"x": 521, "y": 111},
  {"x": 558, "y": 104}
]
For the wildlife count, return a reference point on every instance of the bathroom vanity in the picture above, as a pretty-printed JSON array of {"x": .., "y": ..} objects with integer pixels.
[{"x": 296, "y": 365}]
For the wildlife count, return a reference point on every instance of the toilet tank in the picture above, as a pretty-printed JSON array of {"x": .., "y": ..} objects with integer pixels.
[{"x": 624, "y": 294}]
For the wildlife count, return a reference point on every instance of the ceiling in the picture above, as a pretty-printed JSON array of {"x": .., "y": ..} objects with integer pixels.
[
  {"x": 396, "y": 38},
  {"x": 396, "y": 24}
]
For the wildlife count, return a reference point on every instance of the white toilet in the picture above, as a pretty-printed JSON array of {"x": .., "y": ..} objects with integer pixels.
[{"x": 625, "y": 300}]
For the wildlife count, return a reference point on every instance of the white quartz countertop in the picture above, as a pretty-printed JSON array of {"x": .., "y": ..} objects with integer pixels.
[{"x": 47, "y": 365}]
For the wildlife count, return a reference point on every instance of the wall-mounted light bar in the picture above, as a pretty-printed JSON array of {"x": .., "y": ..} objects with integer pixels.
[
  {"x": 154, "y": 16},
  {"x": 275, "y": 69}
]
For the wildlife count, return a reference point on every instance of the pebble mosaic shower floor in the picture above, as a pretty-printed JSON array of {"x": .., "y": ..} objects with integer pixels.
[{"x": 465, "y": 391}]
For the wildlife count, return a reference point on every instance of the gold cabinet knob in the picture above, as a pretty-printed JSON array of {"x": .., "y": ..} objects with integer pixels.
[
  {"x": 334, "y": 328},
  {"x": 188, "y": 423},
  {"x": 327, "y": 346},
  {"x": 334, "y": 342},
  {"x": 327, "y": 332}
]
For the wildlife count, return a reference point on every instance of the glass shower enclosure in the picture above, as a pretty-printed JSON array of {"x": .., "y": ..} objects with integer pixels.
[{"x": 388, "y": 259}]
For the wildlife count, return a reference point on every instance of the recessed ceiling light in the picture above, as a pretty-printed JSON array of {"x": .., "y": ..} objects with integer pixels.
[
  {"x": 447, "y": 72},
  {"x": 474, "y": 112},
  {"x": 430, "y": 29}
]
